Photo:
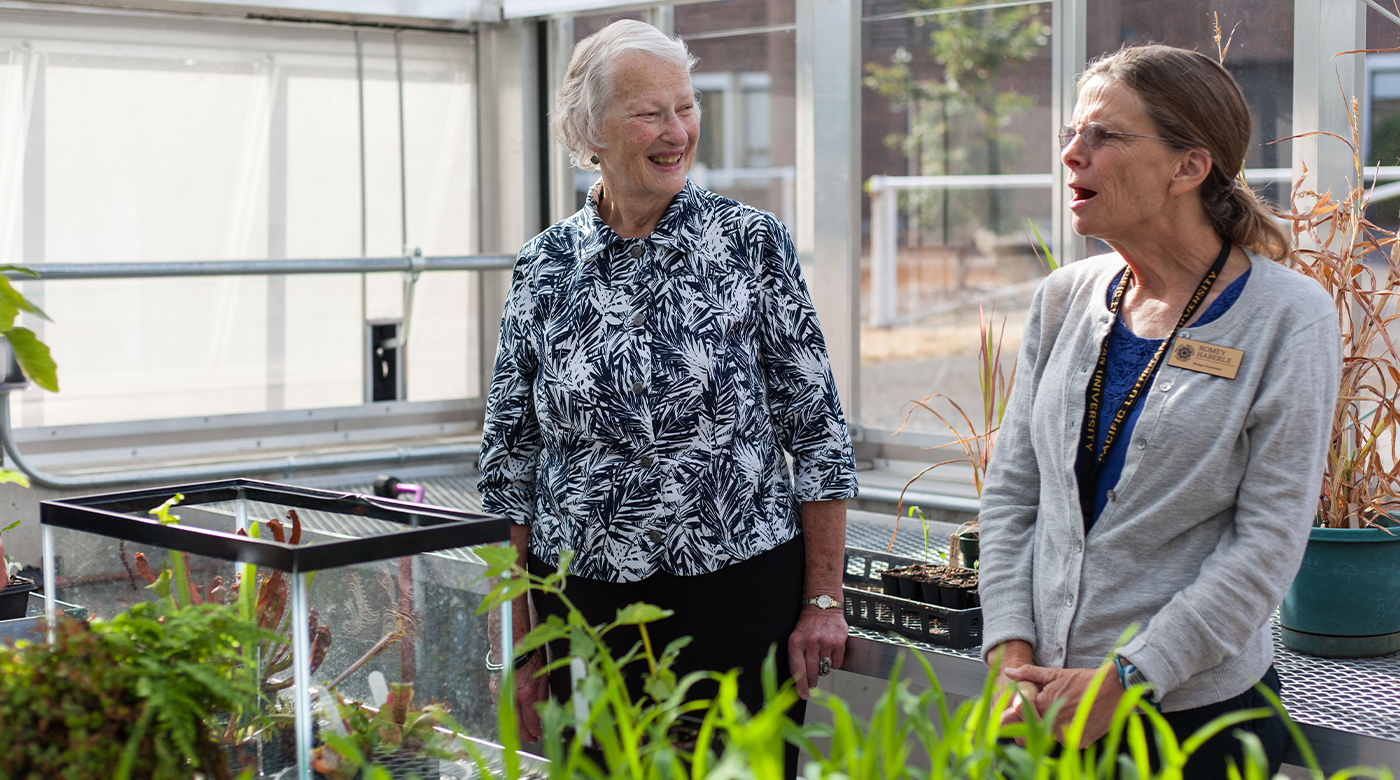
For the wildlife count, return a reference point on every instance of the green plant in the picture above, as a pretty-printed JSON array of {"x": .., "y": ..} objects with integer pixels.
[
  {"x": 32, "y": 354},
  {"x": 962, "y": 742},
  {"x": 395, "y": 730},
  {"x": 139, "y": 695},
  {"x": 34, "y": 360},
  {"x": 634, "y": 738},
  {"x": 268, "y": 662},
  {"x": 980, "y": 438}
]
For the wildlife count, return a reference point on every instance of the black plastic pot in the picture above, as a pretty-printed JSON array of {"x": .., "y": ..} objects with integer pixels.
[
  {"x": 890, "y": 583},
  {"x": 14, "y": 599},
  {"x": 932, "y": 593},
  {"x": 954, "y": 596}
]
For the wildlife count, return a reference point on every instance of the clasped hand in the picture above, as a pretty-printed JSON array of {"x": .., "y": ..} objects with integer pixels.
[{"x": 1043, "y": 686}]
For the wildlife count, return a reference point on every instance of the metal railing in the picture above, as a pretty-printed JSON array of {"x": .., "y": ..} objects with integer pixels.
[
  {"x": 357, "y": 265},
  {"x": 411, "y": 265},
  {"x": 884, "y": 217}
]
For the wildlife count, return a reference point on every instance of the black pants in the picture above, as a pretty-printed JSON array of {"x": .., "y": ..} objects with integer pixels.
[
  {"x": 733, "y": 616},
  {"x": 1210, "y": 760}
]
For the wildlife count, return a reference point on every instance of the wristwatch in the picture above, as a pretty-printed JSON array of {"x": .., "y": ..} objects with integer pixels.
[
  {"x": 1129, "y": 675},
  {"x": 823, "y": 602}
]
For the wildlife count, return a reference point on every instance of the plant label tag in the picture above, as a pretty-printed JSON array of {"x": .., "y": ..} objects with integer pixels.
[
  {"x": 1206, "y": 358},
  {"x": 378, "y": 688}
]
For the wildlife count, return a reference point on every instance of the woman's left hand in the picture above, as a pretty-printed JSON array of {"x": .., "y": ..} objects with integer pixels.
[
  {"x": 1071, "y": 685},
  {"x": 820, "y": 633}
]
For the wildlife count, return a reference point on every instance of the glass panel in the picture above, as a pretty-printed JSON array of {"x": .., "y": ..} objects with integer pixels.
[
  {"x": 1381, "y": 116},
  {"x": 747, "y": 82},
  {"x": 585, "y": 26},
  {"x": 1260, "y": 57},
  {"x": 746, "y": 79},
  {"x": 129, "y": 139},
  {"x": 957, "y": 245}
]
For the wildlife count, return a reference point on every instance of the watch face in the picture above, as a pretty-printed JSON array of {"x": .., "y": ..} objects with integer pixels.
[{"x": 823, "y": 601}]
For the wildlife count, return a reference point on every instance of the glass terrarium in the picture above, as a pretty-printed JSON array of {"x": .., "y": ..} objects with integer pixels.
[{"x": 374, "y": 600}]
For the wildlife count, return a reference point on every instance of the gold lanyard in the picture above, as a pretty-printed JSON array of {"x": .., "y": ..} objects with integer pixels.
[{"x": 1096, "y": 382}]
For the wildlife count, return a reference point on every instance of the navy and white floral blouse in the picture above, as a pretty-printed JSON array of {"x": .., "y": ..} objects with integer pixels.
[{"x": 645, "y": 391}]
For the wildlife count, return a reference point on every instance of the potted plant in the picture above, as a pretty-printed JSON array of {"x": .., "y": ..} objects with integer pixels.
[
  {"x": 14, "y": 596},
  {"x": 976, "y": 439},
  {"x": 1345, "y": 601}
]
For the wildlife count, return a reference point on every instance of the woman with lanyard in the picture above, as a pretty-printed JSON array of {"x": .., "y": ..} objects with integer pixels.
[{"x": 1160, "y": 461}]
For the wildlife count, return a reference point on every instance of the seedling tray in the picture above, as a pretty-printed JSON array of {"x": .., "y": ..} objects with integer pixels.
[{"x": 874, "y": 610}]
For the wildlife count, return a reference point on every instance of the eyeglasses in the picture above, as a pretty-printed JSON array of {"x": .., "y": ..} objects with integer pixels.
[{"x": 1094, "y": 135}]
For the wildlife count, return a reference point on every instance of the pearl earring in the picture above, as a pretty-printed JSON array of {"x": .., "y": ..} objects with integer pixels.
[{"x": 593, "y": 159}]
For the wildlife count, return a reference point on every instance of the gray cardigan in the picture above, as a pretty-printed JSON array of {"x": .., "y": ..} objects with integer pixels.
[{"x": 1207, "y": 524}]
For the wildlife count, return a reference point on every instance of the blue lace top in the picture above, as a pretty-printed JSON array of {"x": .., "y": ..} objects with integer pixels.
[{"x": 1128, "y": 355}]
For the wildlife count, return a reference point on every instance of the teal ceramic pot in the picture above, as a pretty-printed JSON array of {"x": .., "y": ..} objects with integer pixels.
[
  {"x": 1345, "y": 602},
  {"x": 968, "y": 542}
]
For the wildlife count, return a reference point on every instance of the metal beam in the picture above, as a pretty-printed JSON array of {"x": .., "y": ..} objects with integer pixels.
[
  {"x": 561, "y": 170},
  {"x": 1068, "y": 54},
  {"x": 1324, "y": 84},
  {"x": 509, "y": 128},
  {"x": 286, "y": 465},
  {"x": 828, "y": 179}
]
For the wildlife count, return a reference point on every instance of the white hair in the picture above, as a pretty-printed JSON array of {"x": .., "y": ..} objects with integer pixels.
[{"x": 577, "y": 119}]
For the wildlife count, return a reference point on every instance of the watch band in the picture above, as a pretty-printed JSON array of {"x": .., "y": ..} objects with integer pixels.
[
  {"x": 493, "y": 666},
  {"x": 1129, "y": 675},
  {"x": 823, "y": 602}
]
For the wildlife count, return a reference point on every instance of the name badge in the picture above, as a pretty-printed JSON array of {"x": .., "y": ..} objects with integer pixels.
[{"x": 1206, "y": 358}]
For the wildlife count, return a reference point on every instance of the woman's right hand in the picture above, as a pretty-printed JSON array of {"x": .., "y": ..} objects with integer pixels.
[
  {"x": 1009, "y": 655},
  {"x": 531, "y": 688}
]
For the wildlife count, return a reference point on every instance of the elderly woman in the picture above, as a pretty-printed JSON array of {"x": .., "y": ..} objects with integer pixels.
[
  {"x": 659, "y": 354},
  {"x": 1162, "y": 454}
]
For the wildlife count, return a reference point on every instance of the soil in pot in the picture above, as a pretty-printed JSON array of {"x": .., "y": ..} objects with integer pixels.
[
  {"x": 923, "y": 581},
  {"x": 14, "y": 598},
  {"x": 903, "y": 579},
  {"x": 957, "y": 587}
]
